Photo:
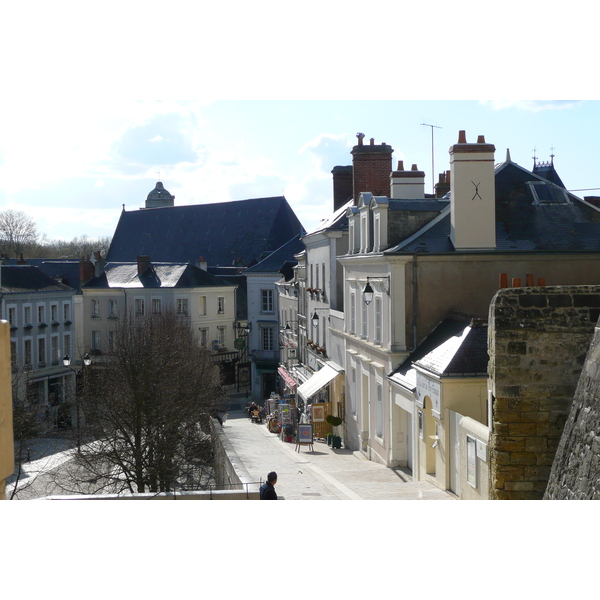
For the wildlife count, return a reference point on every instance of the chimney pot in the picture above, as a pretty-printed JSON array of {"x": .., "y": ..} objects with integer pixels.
[
  {"x": 462, "y": 137},
  {"x": 372, "y": 141},
  {"x": 481, "y": 139},
  {"x": 516, "y": 282},
  {"x": 400, "y": 165},
  {"x": 503, "y": 280},
  {"x": 530, "y": 280},
  {"x": 414, "y": 168},
  {"x": 541, "y": 281}
]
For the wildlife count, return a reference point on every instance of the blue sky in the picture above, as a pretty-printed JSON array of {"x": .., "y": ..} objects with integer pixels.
[{"x": 273, "y": 104}]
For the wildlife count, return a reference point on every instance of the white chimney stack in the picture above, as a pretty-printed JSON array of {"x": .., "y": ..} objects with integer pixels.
[
  {"x": 473, "y": 195},
  {"x": 407, "y": 185}
]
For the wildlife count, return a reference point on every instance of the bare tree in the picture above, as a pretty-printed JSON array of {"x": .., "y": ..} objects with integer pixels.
[
  {"x": 17, "y": 230},
  {"x": 147, "y": 409}
]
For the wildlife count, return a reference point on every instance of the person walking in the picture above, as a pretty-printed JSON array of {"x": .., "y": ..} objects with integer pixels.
[{"x": 267, "y": 489}]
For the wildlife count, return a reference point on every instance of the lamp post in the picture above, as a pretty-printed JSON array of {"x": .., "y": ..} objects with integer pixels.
[
  {"x": 368, "y": 289},
  {"x": 87, "y": 361}
]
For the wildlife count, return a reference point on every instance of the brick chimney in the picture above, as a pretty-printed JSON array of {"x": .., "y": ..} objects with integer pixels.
[
  {"x": 407, "y": 185},
  {"x": 21, "y": 260},
  {"x": 86, "y": 269},
  {"x": 342, "y": 185},
  {"x": 473, "y": 202},
  {"x": 143, "y": 262},
  {"x": 442, "y": 187},
  {"x": 371, "y": 168}
]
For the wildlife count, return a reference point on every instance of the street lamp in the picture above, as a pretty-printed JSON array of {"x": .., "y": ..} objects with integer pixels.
[
  {"x": 87, "y": 361},
  {"x": 368, "y": 290}
]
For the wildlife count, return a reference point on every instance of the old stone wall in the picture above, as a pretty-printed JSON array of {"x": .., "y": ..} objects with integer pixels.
[
  {"x": 538, "y": 341},
  {"x": 575, "y": 472}
]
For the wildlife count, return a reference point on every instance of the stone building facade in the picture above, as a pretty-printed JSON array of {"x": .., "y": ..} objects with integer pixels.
[{"x": 538, "y": 342}]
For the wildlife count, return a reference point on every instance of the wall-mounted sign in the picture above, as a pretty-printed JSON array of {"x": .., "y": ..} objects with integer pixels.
[
  {"x": 481, "y": 450},
  {"x": 432, "y": 388}
]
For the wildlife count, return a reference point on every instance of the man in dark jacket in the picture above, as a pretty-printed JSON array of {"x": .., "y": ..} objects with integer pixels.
[{"x": 267, "y": 490}]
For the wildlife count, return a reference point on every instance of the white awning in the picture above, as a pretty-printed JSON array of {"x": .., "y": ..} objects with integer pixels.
[{"x": 317, "y": 382}]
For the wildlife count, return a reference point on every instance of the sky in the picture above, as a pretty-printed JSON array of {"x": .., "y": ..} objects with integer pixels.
[
  {"x": 244, "y": 101},
  {"x": 90, "y": 160}
]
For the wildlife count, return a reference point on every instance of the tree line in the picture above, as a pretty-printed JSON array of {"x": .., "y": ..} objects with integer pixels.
[{"x": 19, "y": 235}]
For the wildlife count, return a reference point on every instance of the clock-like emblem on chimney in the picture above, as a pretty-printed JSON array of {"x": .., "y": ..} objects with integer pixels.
[{"x": 476, "y": 194}]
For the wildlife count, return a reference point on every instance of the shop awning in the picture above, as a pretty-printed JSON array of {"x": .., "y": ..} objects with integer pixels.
[
  {"x": 317, "y": 382},
  {"x": 289, "y": 380}
]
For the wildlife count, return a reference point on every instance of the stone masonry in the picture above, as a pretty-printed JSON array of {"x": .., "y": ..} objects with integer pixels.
[
  {"x": 575, "y": 472},
  {"x": 538, "y": 341}
]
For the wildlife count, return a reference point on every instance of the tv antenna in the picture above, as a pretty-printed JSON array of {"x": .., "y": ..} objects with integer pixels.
[{"x": 432, "y": 160}]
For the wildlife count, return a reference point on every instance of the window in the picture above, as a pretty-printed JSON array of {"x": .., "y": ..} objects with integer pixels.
[
  {"x": 202, "y": 306},
  {"x": 54, "y": 313},
  {"x": 204, "y": 337},
  {"x": 67, "y": 312},
  {"x": 67, "y": 343},
  {"x": 27, "y": 352},
  {"x": 12, "y": 316},
  {"x": 41, "y": 314},
  {"x": 111, "y": 340},
  {"x": 95, "y": 309},
  {"x": 95, "y": 340},
  {"x": 267, "y": 338},
  {"x": 221, "y": 335},
  {"x": 182, "y": 306},
  {"x": 378, "y": 320},
  {"x": 365, "y": 316},
  {"x": 27, "y": 315},
  {"x": 13, "y": 353},
  {"x": 266, "y": 301},
  {"x": 353, "y": 391},
  {"x": 221, "y": 305},
  {"x": 54, "y": 349},
  {"x": 140, "y": 307},
  {"x": 112, "y": 309},
  {"x": 352, "y": 313},
  {"x": 156, "y": 306},
  {"x": 42, "y": 351},
  {"x": 379, "y": 412}
]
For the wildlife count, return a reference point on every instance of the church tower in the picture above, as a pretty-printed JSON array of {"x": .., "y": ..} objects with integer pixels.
[{"x": 159, "y": 197}]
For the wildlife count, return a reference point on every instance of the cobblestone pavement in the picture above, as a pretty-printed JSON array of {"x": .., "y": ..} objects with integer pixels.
[{"x": 321, "y": 474}]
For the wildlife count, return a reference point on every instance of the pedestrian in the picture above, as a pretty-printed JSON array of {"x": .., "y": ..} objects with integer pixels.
[{"x": 267, "y": 489}]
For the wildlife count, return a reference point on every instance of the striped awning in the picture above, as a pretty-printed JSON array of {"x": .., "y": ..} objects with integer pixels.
[{"x": 289, "y": 380}]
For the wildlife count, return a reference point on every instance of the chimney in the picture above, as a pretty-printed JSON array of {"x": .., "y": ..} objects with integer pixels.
[
  {"x": 407, "y": 185},
  {"x": 201, "y": 263},
  {"x": 342, "y": 185},
  {"x": 442, "y": 187},
  {"x": 86, "y": 270},
  {"x": 473, "y": 202},
  {"x": 21, "y": 260},
  {"x": 99, "y": 264},
  {"x": 371, "y": 167},
  {"x": 143, "y": 262}
]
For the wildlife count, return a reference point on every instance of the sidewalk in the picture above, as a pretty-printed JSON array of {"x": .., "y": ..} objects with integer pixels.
[{"x": 324, "y": 473}]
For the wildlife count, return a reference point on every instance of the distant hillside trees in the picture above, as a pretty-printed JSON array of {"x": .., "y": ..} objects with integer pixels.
[
  {"x": 19, "y": 235},
  {"x": 147, "y": 405}
]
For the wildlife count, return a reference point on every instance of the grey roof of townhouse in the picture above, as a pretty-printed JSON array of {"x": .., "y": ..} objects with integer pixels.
[
  {"x": 280, "y": 258},
  {"x": 456, "y": 347},
  {"x": 223, "y": 234},
  {"x": 16, "y": 279},
  {"x": 157, "y": 275},
  {"x": 337, "y": 220},
  {"x": 533, "y": 214}
]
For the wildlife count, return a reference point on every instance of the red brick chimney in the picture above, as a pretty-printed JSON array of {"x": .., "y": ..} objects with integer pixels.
[
  {"x": 342, "y": 185},
  {"x": 86, "y": 269},
  {"x": 143, "y": 262},
  {"x": 371, "y": 168}
]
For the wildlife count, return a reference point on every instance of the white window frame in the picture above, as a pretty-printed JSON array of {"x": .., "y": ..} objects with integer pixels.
[
  {"x": 221, "y": 335},
  {"x": 202, "y": 306},
  {"x": 182, "y": 307},
  {"x": 139, "y": 307},
  {"x": 27, "y": 312},
  {"x": 156, "y": 306},
  {"x": 113, "y": 309},
  {"x": 28, "y": 355},
  {"x": 41, "y": 314},
  {"x": 267, "y": 301},
  {"x": 221, "y": 305},
  {"x": 378, "y": 308},
  {"x": 352, "y": 312},
  {"x": 95, "y": 308},
  {"x": 204, "y": 337},
  {"x": 67, "y": 343},
  {"x": 267, "y": 338},
  {"x": 54, "y": 351},
  {"x": 66, "y": 311},
  {"x": 379, "y": 409},
  {"x": 54, "y": 312},
  {"x": 41, "y": 350},
  {"x": 96, "y": 341},
  {"x": 11, "y": 314},
  {"x": 364, "y": 321}
]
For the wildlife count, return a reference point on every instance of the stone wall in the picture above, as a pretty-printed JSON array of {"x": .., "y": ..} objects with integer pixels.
[
  {"x": 538, "y": 341},
  {"x": 575, "y": 472}
]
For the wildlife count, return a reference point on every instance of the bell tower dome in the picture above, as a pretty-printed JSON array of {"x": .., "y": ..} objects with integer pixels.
[{"x": 159, "y": 197}]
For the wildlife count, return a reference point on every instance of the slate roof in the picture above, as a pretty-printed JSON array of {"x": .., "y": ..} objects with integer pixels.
[
  {"x": 157, "y": 275},
  {"x": 15, "y": 279},
  {"x": 453, "y": 348},
  {"x": 533, "y": 214},
  {"x": 283, "y": 256},
  {"x": 223, "y": 234},
  {"x": 338, "y": 220}
]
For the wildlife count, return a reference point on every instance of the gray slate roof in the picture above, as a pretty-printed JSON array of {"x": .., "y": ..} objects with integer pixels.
[
  {"x": 15, "y": 279},
  {"x": 157, "y": 275},
  {"x": 530, "y": 217},
  {"x": 223, "y": 234},
  {"x": 284, "y": 255}
]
